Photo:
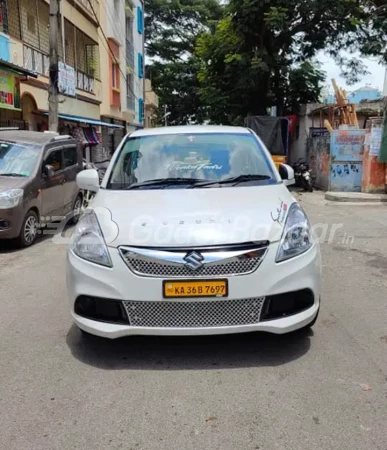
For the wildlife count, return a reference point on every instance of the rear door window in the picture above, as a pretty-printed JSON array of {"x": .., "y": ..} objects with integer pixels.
[{"x": 70, "y": 156}]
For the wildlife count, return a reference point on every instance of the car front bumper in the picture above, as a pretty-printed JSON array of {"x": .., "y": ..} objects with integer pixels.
[
  {"x": 120, "y": 284},
  {"x": 11, "y": 221}
]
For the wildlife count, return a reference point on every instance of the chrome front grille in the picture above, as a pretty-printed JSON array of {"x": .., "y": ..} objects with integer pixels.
[
  {"x": 198, "y": 314},
  {"x": 179, "y": 271},
  {"x": 172, "y": 264}
]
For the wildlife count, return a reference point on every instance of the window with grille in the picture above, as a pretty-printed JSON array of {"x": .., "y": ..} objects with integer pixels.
[
  {"x": 129, "y": 29},
  {"x": 29, "y": 31},
  {"x": 82, "y": 53},
  {"x": 115, "y": 82},
  {"x": 31, "y": 23},
  {"x": 9, "y": 18},
  {"x": 130, "y": 97},
  {"x": 140, "y": 66}
]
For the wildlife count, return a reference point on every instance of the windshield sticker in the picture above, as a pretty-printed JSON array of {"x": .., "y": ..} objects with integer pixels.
[
  {"x": 193, "y": 162},
  {"x": 280, "y": 214}
]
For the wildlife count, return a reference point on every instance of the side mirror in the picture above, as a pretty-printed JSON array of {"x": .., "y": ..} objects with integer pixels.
[
  {"x": 88, "y": 180},
  {"x": 49, "y": 170},
  {"x": 287, "y": 174}
]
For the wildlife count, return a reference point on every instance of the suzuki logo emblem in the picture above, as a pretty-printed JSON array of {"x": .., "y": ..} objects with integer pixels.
[{"x": 193, "y": 260}]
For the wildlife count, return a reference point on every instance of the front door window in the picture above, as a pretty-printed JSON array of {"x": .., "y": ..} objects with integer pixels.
[{"x": 54, "y": 159}]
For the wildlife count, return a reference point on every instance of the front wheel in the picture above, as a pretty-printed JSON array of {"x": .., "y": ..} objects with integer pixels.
[
  {"x": 29, "y": 230},
  {"x": 308, "y": 184},
  {"x": 77, "y": 210}
]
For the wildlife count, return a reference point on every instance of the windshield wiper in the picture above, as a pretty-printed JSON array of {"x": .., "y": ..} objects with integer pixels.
[
  {"x": 165, "y": 182},
  {"x": 11, "y": 174},
  {"x": 235, "y": 180}
]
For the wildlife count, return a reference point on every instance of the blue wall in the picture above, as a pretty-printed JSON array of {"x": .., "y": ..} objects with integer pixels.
[
  {"x": 4, "y": 48},
  {"x": 359, "y": 95}
]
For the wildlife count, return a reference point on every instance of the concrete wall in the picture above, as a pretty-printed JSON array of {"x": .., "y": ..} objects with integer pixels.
[
  {"x": 151, "y": 104},
  {"x": 299, "y": 145}
]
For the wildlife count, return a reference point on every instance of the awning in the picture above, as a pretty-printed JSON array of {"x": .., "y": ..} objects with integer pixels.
[
  {"x": 18, "y": 70},
  {"x": 90, "y": 121}
]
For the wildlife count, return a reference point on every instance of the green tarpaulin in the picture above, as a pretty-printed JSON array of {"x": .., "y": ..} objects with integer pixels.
[{"x": 383, "y": 148}]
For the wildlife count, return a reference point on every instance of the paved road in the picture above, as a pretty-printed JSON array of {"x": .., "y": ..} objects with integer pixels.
[{"x": 325, "y": 390}]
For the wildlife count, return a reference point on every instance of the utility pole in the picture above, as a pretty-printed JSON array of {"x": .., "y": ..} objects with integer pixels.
[{"x": 54, "y": 73}]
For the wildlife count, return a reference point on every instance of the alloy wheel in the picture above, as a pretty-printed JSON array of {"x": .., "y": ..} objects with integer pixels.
[{"x": 30, "y": 229}]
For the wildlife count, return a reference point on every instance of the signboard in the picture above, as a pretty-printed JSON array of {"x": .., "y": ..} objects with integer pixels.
[
  {"x": 347, "y": 148},
  {"x": 376, "y": 141},
  {"x": 9, "y": 91},
  {"x": 316, "y": 131},
  {"x": 66, "y": 79},
  {"x": 347, "y": 145}
]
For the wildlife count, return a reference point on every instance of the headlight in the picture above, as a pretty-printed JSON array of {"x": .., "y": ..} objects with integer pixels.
[
  {"x": 88, "y": 242},
  {"x": 11, "y": 198},
  {"x": 296, "y": 238}
]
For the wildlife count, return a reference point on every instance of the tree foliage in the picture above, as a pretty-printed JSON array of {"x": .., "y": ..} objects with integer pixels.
[
  {"x": 222, "y": 63},
  {"x": 263, "y": 52},
  {"x": 172, "y": 28}
]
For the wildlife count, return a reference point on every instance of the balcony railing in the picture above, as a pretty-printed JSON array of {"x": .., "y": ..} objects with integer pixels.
[
  {"x": 85, "y": 82},
  {"x": 36, "y": 61},
  {"x": 39, "y": 62}
]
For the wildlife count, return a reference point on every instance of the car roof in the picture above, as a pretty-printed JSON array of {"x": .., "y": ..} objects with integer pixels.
[
  {"x": 203, "y": 129},
  {"x": 31, "y": 137}
]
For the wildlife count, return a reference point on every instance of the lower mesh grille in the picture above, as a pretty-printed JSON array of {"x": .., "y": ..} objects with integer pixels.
[{"x": 188, "y": 314}]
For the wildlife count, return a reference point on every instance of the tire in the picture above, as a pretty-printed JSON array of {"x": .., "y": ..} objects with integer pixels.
[
  {"x": 308, "y": 185},
  {"x": 85, "y": 334},
  {"x": 78, "y": 203},
  {"x": 88, "y": 337},
  {"x": 29, "y": 230}
]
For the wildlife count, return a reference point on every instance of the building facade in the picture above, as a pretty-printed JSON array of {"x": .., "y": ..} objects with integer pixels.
[
  {"x": 101, "y": 70},
  {"x": 25, "y": 25},
  {"x": 121, "y": 39},
  {"x": 151, "y": 105}
]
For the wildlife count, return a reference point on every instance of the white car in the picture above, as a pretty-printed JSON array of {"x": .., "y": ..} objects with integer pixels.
[{"x": 192, "y": 232}]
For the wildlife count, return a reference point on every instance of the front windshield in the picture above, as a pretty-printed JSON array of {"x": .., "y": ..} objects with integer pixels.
[
  {"x": 199, "y": 157},
  {"x": 18, "y": 159}
]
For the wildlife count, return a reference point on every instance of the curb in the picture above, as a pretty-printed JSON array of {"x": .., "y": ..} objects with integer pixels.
[{"x": 355, "y": 197}]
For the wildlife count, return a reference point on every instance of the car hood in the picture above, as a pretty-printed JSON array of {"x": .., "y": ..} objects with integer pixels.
[
  {"x": 193, "y": 217},
  {"x": 11, "y": 183}
]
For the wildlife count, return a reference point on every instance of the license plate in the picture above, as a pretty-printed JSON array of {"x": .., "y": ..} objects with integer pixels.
[{"x": 202, "y": 288}]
